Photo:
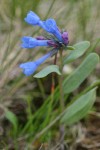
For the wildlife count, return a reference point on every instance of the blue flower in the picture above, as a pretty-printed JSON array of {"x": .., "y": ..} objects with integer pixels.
[
  {"x": 56, "y": 39},
  {"x": 30, "y": 67},
  {"x": 32, "y": 18},
  {"x": 29, "y": 42},
  {"x": 50, "y": 26}
]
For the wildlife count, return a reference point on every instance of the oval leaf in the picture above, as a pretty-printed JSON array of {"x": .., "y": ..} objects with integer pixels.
[
  {"x": 81, "y": 73},
  {"x": 79, "y": 50},
  {"x": 47, "y": 70},
  {"x": 79, "y": 108}
]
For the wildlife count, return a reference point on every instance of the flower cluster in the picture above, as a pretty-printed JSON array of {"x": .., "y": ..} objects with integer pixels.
[{"x": 57, "y": 40}]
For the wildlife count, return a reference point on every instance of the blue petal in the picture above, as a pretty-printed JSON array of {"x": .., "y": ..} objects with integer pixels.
[
  {"x": 29, "y": 42},
  {"x": 50, "y": 26},
  {"x": 43, "y": 58},
  {"x": 42, "y": 42},
  {"x": 26, "y": 38},
  {"x": 30, "y": 67},
  {"x": 32, "y": 18}
]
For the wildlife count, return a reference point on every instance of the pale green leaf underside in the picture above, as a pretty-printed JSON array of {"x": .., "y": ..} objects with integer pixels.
[
  {"x": 79, "y": 50},
  {"x": 81, "y": 73},
  {"x": 79, "y": 108},
  {"x": 47, "y": 70}
]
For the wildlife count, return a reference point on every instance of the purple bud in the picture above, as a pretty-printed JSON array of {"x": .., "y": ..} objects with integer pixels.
[{"x": 65, "y": 38}]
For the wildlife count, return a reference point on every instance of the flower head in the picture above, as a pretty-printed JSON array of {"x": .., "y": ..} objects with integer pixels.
[
  {"x": 32, "y": 18},
  {"x": 30, "y": 67},
  {"x": 29, "y": 42},
  {"x": 56, "y": 39},
  {"x": 51, "y": 27}
]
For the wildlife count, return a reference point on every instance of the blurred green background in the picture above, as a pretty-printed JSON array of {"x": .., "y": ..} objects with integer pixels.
[{"x": 25, "y": 95}]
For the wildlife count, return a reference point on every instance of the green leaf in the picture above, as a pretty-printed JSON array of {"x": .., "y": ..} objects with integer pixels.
[
  {"x": 79, "y": 108},
  {"x": 12, "y": 118},
  {"x": 79, "y": 50},
  {"x": 81, "y": 73},
  {"x": 70, "y": 48},
  {"x": 47, "y": 70}
]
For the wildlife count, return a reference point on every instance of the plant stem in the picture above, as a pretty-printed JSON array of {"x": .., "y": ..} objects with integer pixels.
[
  {"x": 52, "y": 92},
  {"x": 53, "y": 77},
  {"x": 52, "y": 95},
  {"x": 62, "y": 127},
  {"x": 61, "y": 82}
]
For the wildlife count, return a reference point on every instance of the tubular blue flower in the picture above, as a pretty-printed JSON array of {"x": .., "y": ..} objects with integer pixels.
[
  {"x": 32, "y": 18},
  {"x": 50, "y": 26},
  {"x": 29, "y": 42},
  {"x": 30, "y": 67},
  {"x": 61, "y": 41}
]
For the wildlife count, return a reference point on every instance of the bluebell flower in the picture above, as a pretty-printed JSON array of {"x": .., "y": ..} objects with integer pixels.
[
  {"x": 32, "y": 18},
  {"x": 29, "y": 42},
  {"x": 56, "y": 39},
  {"x": 50, "y": 26},
  {"x": 30, "y": 67}
]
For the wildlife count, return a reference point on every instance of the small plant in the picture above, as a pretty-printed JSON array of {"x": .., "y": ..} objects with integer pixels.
[
  {"x": 43, "y": 108},
  {"x": 58, "y": 40}
]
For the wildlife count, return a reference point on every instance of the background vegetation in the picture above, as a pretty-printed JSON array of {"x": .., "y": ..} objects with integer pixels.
[{"x": 24, "y": 101}]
